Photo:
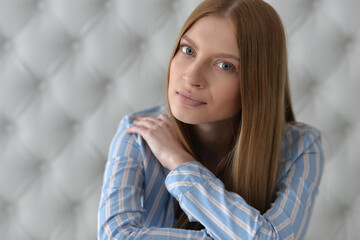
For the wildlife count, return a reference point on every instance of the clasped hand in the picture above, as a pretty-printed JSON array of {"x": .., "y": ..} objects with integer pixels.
[{"x": 160, "y": 136}]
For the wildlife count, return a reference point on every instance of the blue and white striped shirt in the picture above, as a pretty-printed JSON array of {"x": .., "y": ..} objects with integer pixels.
[{"x": 137, "y": 199}]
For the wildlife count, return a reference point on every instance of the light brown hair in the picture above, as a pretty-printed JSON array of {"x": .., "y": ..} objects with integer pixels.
[{"x": 252, "y": 160}]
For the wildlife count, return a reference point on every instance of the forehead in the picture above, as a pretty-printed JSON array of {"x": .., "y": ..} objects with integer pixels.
[{"x": 214, "y": 32}]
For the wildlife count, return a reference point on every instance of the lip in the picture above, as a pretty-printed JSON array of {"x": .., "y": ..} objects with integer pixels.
[{"x": 189, "y": 99}]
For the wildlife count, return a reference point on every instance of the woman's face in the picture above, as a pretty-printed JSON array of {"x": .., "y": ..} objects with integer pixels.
[{"x": 204, "y": 83}]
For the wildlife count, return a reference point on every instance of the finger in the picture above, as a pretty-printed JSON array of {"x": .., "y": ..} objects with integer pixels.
[
  {"x": 151, "y": 122},
  {"x": 164, "y": 118},
  {"x": 139, "y": 117},
  {"x": 144, "y": 118},
  {"x": 144, "y": 123},
  {"x": 150, "y": 119},
  {"x": 136, "y": 129}
]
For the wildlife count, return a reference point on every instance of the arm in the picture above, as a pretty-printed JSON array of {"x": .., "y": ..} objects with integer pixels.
[
  {"x": 121, "y": 211},
  {"x": 226, "y": 215}
]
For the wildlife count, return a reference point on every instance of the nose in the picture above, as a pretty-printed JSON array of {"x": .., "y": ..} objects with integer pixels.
[{"x": 194, "y": 75}]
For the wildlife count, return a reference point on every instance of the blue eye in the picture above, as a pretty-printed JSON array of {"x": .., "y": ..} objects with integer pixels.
[
  {"x": 226, "y": 66},
  {"x": 187, "y": 50}
]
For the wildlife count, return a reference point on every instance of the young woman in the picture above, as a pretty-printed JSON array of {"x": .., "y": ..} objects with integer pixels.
[{"x": 225, "y": 159}]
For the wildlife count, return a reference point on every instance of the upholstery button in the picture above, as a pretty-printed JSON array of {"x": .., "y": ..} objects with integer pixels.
[
  {"x": 109, "y": 4},
  {"x": 109, "y": 86},
  {"x": 175, "y": 5},
  {"x": 8, "y": 208},
  {"x": 6, "y": 46},
  {"x": 315, "y": 3},
  {"x": 75, "y": 125},
  {"x": 310, "y": 86},
  {"x": 142, "y": 44},
  {"x": 7, "y": 127},
  {"x": 345, "y": 210},
  {"x": 349, "y": 44},
  {"x": 75, "y": 46},
  {"x": 42, "y": 168},
  {"x": 41, "y": 85},
  {"x": 75, "y": 207},
  {"x": 41, "y": 5}
]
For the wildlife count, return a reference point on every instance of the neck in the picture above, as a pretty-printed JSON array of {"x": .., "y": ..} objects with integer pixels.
[{"x": 212, "y": 140}]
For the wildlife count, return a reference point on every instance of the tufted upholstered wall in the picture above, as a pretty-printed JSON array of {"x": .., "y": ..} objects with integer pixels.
[{"x": 70, "y": 69}]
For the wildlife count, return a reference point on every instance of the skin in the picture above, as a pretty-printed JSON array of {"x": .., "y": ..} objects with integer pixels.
[{"x": 206, "y": 67}]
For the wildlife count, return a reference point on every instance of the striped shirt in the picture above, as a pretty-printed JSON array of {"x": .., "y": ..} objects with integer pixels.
[{"x": 138, "y": 194}]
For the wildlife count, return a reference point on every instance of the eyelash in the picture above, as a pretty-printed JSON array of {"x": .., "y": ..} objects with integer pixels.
[{"x": 217, "y": 64}]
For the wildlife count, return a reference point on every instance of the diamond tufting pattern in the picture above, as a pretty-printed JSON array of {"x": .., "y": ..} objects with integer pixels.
[{"x": 70, "y": 69}]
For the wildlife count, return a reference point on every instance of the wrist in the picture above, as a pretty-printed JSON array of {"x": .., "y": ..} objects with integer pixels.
[{"x": 180, "y": 159}]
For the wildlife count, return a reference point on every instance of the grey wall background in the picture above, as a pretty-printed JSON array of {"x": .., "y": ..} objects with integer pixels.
[{"x": 70, "y": 69}]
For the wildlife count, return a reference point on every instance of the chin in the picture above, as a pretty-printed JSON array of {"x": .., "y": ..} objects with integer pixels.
[
  {"x": 183, "y": 116},
  {"x": 186, "y": 120}
]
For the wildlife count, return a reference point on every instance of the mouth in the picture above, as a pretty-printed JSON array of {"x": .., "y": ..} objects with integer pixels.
[{"x": 189, "y": 99}]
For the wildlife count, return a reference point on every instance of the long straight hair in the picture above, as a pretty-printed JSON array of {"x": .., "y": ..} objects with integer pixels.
[{"x": 252, "y": 159}]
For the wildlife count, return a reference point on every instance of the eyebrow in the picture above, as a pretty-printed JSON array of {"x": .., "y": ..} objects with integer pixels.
[{"x": 223, "y": 55}]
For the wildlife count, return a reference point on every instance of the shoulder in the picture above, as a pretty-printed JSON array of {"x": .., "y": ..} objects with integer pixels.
[
  {"x": 156, "y": 111},
  {"x": 300, "y": 133},
  {"x": 122, "y": 141},
  {"x": 298, "y": 141}
]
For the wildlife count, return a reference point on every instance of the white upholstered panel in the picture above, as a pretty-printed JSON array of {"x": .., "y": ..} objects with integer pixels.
[{"x": 70, "y": 69}]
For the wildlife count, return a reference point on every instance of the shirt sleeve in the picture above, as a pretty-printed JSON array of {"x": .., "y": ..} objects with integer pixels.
[
  {"x": 120, "y": 213},
  {"x": 226, "y": 215}
]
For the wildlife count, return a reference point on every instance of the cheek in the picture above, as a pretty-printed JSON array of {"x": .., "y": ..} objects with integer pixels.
[
  {"x": 172, "y": 72},
  {"x": 175, "y": 72},
  {"x": 172, "y": 81},
  {"x": 230, "y": 95}
]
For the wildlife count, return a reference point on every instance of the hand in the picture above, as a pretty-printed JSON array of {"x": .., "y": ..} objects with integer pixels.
[{"x": 162, "y": 140}]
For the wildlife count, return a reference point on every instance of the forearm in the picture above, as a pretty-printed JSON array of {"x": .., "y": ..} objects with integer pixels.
[
  {"x": 131, "y": 232},
  {"x": 226, "y": 215},
  {"x": 223, "y": 214},
  {"x": 123, "y": 220}
]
